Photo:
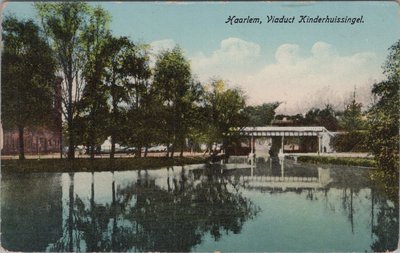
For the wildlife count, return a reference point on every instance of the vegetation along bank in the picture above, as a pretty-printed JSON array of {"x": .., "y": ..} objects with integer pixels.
[
  {"x": 85, "y": 164},
  {"x": 348, "y": 161}
]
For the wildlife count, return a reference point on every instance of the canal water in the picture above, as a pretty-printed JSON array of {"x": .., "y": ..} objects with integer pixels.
[{"x": 278, "y": 207}]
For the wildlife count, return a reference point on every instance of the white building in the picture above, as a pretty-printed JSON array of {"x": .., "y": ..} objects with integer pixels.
[{"x": 261, "y": 138}]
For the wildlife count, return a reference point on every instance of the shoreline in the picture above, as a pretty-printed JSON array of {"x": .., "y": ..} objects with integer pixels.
[
  {"x": 345, "y": 161},
  {"x": 94, "y": 165},
  {"x": 57, "y": 165}
]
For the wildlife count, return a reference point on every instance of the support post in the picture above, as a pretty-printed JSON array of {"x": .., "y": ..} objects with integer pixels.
[
  {"x": 319, "y": 144},
  {"x": 252, "y": 151},
  {"x": 252, "y": 144}
]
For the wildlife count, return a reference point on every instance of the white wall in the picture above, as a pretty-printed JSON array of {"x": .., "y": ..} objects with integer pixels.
[
  {"x": 325, "y": 142},
  {"x": 262, "y": 146}
]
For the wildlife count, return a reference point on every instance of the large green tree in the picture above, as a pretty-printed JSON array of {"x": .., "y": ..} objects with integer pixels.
[
  {"x": 119, "y": 50},
  {"x": 261, "y": 115},
  {"x": 137, "y": 74},
  {"x": 64, "y": 24},
  {"x": 172, "y": 80},
  {"x": 352, "y": 118},
  {"x": 383, "y": 120},
  {"x": 190, "y": 115},
  {"x": 224, "y": 109},
  {"x": 93, "y": 106},
  {"x": 322, "y": 117},
  {"x": 352, "y": 121},
  {"x": 127, "y": 81},
  {"x": 28, "y": 76}
]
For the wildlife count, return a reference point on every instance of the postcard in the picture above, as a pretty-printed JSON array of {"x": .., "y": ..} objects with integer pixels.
[{"x": 200, "y": 126}]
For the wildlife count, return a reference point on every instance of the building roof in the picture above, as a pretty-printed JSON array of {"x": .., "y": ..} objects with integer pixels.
[
  {"x": 286, "y": 128},
  {"x": 283, "y": 131}
]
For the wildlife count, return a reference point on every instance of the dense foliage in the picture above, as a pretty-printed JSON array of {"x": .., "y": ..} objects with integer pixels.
[
  {"x": 352, "y": 118},
  {"x": 383, "y": 120},
  {"x": 65, "y": 25},
  {"x": 27, "y": 73},
  {"x": 108, "y": 86},
  {"x": 355, "y": 141},
  {"x": 176, "y": 91},
  {"x": 322, "y": 117},
  {"x": 261, "y": 115},
  {"x": 326, "y": 117}
]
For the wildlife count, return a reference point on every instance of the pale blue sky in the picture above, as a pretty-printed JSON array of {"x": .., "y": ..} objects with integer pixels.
[{"x": 261, "y": 58}]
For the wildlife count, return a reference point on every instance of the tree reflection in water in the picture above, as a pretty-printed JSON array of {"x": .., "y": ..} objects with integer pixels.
[
  {"x": 185, "y": 209},
  {"x": 178, "y": 218},
  {"x": 384, "y": 202},
  {"x": 71, "y": 235},
  {"x": 143, "y": 216},
  {"x": 386, "y": 228},
  {"x": 385, "y": 198}
]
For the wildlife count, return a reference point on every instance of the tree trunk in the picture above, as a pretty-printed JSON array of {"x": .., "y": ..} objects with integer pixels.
[
  {"x": 168, "y": 147},
  {"x": 91, "y": 151},
  {"x": 61, "y": 145},
  {"x": 70, "y": 116},
  {"x": 92, "y": 133},
  {"x": 182, "y": 148},
  {"x": 115, "y": 118},
  {"x": 112, "y": 152},
  {"x": 71, "y": 146},
  {"x": 173, "y": 149},
  {"x": 21, "y": 143},
  {"x": 145, "y": 152}
]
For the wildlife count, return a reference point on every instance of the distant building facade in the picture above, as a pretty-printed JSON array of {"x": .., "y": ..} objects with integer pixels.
[
  {"x": 40, "y": 139},
  {"x": 36, "y": 140}
]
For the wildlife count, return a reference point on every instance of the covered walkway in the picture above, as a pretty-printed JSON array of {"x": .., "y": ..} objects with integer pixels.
[{"x": 261, "y": 138}]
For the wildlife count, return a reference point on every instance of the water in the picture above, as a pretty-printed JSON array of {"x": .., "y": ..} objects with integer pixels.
[{"x": 274, "y": 207}]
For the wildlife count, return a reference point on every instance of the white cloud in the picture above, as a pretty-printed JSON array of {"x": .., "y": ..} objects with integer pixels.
[
  {"x": 287, "y": 54},
  {"x": 161, "y": 45},
  {"x": 301, "y": 82},
  {"x": 321, "y": 78},
  {"x": 324, "y": 76},
  {"x": 156, "y": 47},
  {"x": 233, "y": 57},
  {"x": 322, "y": 50}
]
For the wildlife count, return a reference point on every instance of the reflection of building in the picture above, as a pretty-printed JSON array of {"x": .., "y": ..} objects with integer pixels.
[
  {"x": 289, "y": 182},
  {"x": 37, "y": 139}
]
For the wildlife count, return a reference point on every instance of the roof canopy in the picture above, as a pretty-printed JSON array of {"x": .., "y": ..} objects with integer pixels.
[{"x": 282, "y": 131}]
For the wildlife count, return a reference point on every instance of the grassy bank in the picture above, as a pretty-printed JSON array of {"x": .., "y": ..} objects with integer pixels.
[
  {"x": 84, "y": 164},
  {"x": 350, "y": 161}
]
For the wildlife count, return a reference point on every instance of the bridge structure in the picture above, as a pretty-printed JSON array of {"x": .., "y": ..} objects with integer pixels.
[{"x": 261, "y": 137}]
